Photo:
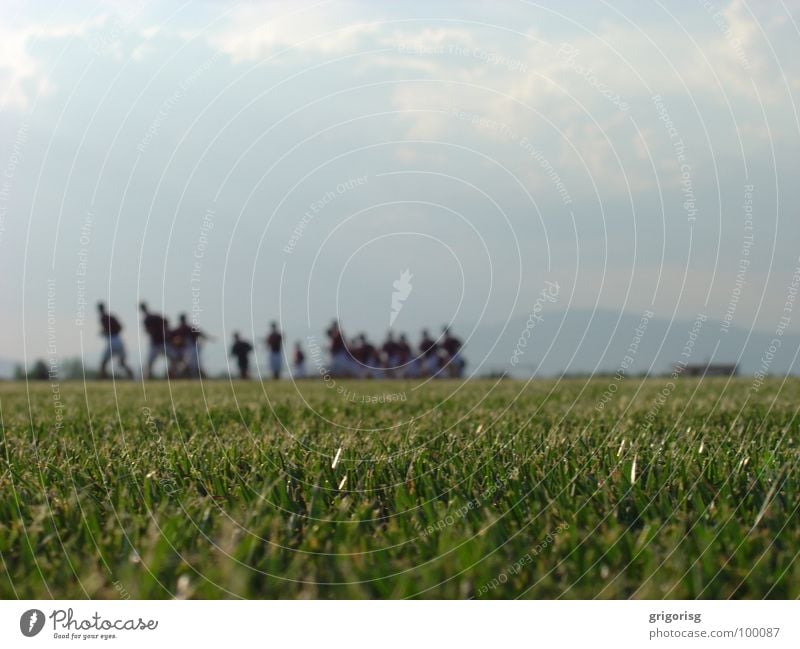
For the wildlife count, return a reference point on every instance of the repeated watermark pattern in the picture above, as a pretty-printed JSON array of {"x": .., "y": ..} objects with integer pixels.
[
  {"x": 463, "y": 52},
  {"x": 10, "y": 170},
  {"x": 785, "y": 319},
  {"x": 172, "y": 101},
  {"x": 744, "y": 261},
  {"x": 679, "y": 150},
  {"x": 503, "y": 129},
  {"x": 199, "y": 253},
  {"x": 627, "y": 361},
  {"x": 486, "y": 496},
  {"x": 718, "y": 16},
  {"x": 549, "y": 294},
  {"x": 82, "y": 269},
  {"x": 569, "y": 54},
  {"x": 467, "y": 131},
  {"x": 342, "y": 388},
  {"x": 315, "y": 209},
  {"x": 527, "y": 559}
]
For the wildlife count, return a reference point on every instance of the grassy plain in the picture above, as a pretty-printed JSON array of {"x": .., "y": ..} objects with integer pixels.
[{"x": 447, "y": 490}]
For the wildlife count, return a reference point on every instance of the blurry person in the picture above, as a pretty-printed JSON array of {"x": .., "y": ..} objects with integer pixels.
[
  {"x": 275, "y": 349},
  {"x": 299, "y": 369},
  {"x": 367, "y": 357},
  {"x": 110, "y": 329},
  {"x": 404, "y": 357},
  {"x": 187, "y": 339},
  {"x": 157, "y": 328},
  {"x": 391, "y": 354},
  {"x": 429, "y": 351},
  {"x": 177, "y": 339},
  {"x": 452, "y": 348},
  {"x": 372, "y": 359},
  {"x": 355, "y": 358},
  {"x": 340, "y": 357},
  {"x": 240, "y": 350}
]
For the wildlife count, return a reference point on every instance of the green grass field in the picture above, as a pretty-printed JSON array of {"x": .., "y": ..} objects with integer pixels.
[{"x": 483, "y": 489}]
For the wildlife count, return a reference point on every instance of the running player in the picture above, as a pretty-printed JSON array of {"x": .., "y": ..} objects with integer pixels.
[
  {"x": 299, "y": 371},
  {"x": 110, "y": 328},
  {"x": 186, "y": 339}
]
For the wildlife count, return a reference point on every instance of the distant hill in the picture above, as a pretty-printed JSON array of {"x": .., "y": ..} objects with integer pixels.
[{"x": 582, "y": 343}]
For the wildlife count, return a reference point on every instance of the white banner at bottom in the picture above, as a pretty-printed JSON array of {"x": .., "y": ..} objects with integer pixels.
[{"x": 333, "y": 624}]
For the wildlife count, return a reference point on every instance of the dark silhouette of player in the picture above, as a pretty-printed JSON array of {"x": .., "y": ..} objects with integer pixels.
[
  {"x": 186, "y": 339},
  {"x": 341, "y": 361},
  {"x": 365, "y": 356},
  {"x": 240, "y": 350},
  {"x": 404, "y": 354},
  {"x": 429, "y": 351},
  {"x": 299, "y": 371},
  {"x": 157, "y": 328},
  {"x": 391, "y": 354},
  {"x": 110, "y": 329},
  {"x": 275, "y": 349},
  {"x": 452, "y": 349}
]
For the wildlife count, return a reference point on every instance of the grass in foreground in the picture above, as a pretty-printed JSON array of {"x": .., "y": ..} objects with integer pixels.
[{"x": 477, "y": 490}]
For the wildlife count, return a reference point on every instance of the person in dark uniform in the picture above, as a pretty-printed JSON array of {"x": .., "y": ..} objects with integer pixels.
[
  {"x": 452, "y": 348},
  {"x": 186, "y": 338},
  {"x": 240, "y": 350},
  {"x": 110, "y": 329},
  {"x": 429, "y": 352},
  {"x": 341, "y": 361},
  {"x": 157, "y": 329},
  {"x": 366, "y": 356},
  {"x": 275, "y": 349},
  {"x": 299, "y": 371},
  {"x": 404, "y": 360},
  {"x": 391, "y": 354}
]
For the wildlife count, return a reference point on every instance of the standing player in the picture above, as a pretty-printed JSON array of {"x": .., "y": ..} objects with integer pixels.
[
  {"x": 110, "y": 329},
  {"x": 275, "y": 349},
  {"x": 452, "y": 347},
  {"x": 340, "y": 357},
  {"x": 299, "y": 371},
  {"x": 157, "y": 329},
  {"x": 365, "y": 356},
  {"x": 241, "y": 352},
  {"x": 429, "y": 351},
  {"x": 391, "y": 354},
  {"x": 404, "y": 360}
]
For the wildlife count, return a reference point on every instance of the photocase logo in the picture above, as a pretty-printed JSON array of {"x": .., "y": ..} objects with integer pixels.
[
  {"x": 31, "y": 622},
  {"x": 402, "y": 289}
]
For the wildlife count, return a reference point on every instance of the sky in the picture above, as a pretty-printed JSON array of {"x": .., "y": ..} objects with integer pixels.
[{"x": 249, "y": 162}]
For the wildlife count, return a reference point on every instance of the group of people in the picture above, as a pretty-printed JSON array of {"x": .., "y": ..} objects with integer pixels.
[
  {"x": 356, "y": 358},
  {"x": 395, "y": 358},
  {"x": 180, "y": 346},
  {"x": 241, "y": 350}
]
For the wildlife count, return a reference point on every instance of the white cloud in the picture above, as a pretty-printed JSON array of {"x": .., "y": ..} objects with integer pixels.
[
  {"x": 256, "y": 31},
  {"x": 24, "y": 75}
]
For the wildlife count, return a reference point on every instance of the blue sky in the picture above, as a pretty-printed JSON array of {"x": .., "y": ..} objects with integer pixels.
[{"x": 171, "y": 150}]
